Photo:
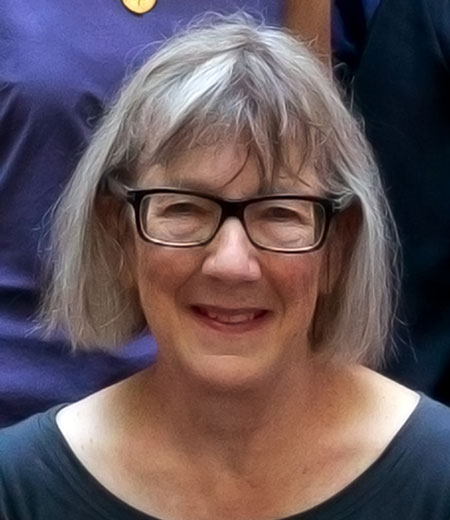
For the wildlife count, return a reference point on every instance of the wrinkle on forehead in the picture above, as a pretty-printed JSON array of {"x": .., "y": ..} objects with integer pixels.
[{"x": 218, "y": 168}]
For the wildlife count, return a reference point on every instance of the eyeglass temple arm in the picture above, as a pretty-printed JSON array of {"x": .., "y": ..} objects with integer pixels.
[{"x": 116, "y": 188}]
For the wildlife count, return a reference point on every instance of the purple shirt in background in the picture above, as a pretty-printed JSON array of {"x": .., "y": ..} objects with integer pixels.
[{"x": 60, "y": 63}]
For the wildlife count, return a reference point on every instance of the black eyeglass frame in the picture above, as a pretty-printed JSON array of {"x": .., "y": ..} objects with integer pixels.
[{"x": 229, "y": 208}]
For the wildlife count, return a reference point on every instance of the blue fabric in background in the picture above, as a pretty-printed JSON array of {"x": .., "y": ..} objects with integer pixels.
[
  {"x": 60, "y": 63},
  {"x": 401, "y": 86},
  {"x": 350, "y": 22}
]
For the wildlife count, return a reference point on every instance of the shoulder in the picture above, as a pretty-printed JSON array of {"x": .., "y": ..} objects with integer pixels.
[
  {"x": 22, "y": 461},
  {"x": 23, "y": 438},
  {"x": 418, "y": 421},
  {"x": 429, "y": 428},
  {"x": 25, "y": 447},
  {"x": 419, "y": 456},
  {"x": 416, "y": 466},
  {"x": 38, "y": 476},
  {"x": 411, "y": 478},
  {"x": 410, "y": 430},
  {"x": 43, "y": 423}
]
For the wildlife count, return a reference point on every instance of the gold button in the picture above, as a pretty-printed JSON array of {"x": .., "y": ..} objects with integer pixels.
[{"x": 139, "y": 6}]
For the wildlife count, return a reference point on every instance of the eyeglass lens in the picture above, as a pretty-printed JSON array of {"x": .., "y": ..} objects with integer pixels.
[{"x": 186, "y": 219}]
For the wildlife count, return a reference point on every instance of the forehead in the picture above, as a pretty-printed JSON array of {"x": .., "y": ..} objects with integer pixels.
[{"x": 230, "y": 171}]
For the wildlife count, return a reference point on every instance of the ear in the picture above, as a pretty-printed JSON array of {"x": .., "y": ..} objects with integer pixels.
[{"x": 339, "y": 247}]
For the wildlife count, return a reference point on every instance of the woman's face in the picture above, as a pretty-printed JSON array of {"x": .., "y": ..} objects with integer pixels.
[{"x": 227, "y": 313}]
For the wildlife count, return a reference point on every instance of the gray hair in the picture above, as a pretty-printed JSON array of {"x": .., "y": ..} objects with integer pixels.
[{"x": 228, "y": 79}]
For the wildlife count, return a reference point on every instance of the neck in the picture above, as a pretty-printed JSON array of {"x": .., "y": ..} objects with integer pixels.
[{"x": 234, "y": 426}]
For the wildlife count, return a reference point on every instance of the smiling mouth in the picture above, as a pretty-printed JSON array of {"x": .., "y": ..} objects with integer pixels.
[{"x": 230, "y": 316}]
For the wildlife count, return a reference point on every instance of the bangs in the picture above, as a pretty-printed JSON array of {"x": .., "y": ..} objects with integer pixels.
[{"x": 241, "y": 98}]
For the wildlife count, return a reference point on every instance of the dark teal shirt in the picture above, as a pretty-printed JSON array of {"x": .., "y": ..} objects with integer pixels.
[{"x": 41, "y": 479}]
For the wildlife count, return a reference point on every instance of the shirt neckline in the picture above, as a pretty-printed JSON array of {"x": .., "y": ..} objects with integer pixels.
[{"x": 109, "y": 505}]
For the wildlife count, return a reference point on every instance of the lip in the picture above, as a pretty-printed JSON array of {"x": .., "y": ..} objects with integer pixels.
[{"x": 236, "y": 320}]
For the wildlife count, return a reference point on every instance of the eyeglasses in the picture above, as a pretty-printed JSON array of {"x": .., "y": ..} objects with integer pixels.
[{"x": 184, "y": 218}]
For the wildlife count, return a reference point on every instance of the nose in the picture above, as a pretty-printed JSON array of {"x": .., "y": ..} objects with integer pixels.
[{"x": 231, "y": 256}]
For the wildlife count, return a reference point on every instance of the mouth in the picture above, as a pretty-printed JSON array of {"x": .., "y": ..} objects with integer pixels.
[{"x": 238, "y": 318}]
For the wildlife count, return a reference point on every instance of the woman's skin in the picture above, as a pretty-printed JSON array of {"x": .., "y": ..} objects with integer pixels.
[{"x": 238, "y": 418}]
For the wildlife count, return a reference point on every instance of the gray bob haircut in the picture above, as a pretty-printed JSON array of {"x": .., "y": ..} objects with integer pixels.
[{"x": 229, "y": 78}]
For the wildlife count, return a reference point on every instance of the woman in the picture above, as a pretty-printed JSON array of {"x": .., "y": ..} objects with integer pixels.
[{"x": 229, "y": 203}]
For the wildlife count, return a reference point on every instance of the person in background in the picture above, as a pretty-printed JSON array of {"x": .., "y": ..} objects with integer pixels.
[
  {"x": 397, "y": 67},
  {"x": 60, "y": 64},
  {"x": 310, "y": 22},
  {"x": 239, "y": 202},
  {"x": 350, "y": 21}
]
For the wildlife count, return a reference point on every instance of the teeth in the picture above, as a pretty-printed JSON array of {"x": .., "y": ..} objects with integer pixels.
[{"x": 232, "y": 318}]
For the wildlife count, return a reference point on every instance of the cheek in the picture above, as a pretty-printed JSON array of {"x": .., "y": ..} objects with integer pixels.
[
  {"x": 298, "y": 283},
  {"x": 161, "y": 273}
]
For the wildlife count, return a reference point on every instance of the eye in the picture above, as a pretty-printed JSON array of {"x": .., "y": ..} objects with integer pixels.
[
  {"x": 281, "y": 214},
  {"x": 177, "y": 206},
  {"x": 182, "y": 208}
]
